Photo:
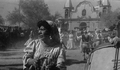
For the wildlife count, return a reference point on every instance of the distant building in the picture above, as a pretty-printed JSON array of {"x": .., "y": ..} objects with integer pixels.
[{"x": 85, "y": 15}]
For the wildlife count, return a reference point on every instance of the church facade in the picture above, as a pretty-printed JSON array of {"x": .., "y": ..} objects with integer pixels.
[{"x": 85, "y": 15}]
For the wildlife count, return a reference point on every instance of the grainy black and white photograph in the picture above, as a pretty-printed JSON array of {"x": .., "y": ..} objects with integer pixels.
[{"x": 59, "y": 34}]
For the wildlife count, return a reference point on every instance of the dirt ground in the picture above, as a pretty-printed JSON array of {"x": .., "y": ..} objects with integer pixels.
[{"x": 12, "y": 59}]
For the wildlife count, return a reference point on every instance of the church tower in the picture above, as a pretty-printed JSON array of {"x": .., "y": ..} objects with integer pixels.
[
  {"x": 99, "y": 3},
  {"x": 106, "y": 6},
  {"x": 98, "y": 8},
  {"x": 68, "y": 8}
]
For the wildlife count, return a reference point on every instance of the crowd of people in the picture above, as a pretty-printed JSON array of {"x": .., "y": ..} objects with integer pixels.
[
  {"x": 75, "y": 36},
  {"x": 44, "y": 52},
  {"x": 87, "y": 41},
  {"x": 11, "y": 35},
  {"x": 47, "y": 49}
]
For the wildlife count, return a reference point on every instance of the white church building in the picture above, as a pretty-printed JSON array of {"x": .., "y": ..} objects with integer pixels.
[{"x": 85, "y": 15}]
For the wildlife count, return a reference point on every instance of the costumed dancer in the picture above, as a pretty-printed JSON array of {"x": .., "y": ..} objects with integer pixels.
[
  {"x": 43, "y": 53},
  {"x": 86, "y": 47},
  {"x": 97, "y": 38},
  {"x": 70, "y": 42}
]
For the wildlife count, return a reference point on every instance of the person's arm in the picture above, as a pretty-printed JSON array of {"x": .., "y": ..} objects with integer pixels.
[
  {"x": 29, "y": 54},
  {"x": 61, "y": 59},
  {"x": 113, "y": 40},
  {"x": 110, "y": 40}
]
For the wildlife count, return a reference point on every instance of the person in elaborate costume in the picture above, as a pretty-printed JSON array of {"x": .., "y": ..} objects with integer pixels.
[
  {"x": 70, "y": 42},
  {"x": 79, "y": 39},
  {"x": 86, "y": 40},
  {"x": 112, "y": 37},
  {"x": 43, "y": 53},
  {"x": 97, "y": 38}
]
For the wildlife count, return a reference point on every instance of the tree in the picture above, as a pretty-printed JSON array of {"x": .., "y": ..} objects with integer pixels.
[
  {"x": 32, "y": 12},
  {"x": 56, "y": 16},
  {"x": 110, "y": 18},
  {"x": 1, "y": 20},
  {"x": 15, "y": 17}
]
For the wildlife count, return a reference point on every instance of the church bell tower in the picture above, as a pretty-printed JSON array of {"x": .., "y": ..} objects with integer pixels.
[
  {"x": 106, "y": 6},
  {"x": 68, "y": 8}
]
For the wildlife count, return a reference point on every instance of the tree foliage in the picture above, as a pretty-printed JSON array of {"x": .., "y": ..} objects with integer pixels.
[
  {"x": 32, "y": 12},
  {"x": 110, "y": 18},
  {"x": 55, "y": 16},
  {"x": 15, "y": 17},
  {"x": 1, "y": 20}
]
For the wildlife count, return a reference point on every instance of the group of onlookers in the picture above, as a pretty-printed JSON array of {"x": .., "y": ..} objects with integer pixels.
[
  {"x": 73, "y": 39},
  {"x": 47, "y": 50},
  {"x": 11, "y": 35}
]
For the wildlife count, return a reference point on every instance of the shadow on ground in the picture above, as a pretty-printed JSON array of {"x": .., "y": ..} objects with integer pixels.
[
  {"x": 73, "y": 61},
  {"x": 7, "y": 54}
]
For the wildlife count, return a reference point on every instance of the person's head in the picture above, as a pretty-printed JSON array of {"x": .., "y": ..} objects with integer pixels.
[
  {"x": 89, "y": 32},
  {"x": 114, "y": 33},
  {"x": 98, "y": 31},
  {"x": 85, "y": 32},
  {"x": 44, "y": 29}
]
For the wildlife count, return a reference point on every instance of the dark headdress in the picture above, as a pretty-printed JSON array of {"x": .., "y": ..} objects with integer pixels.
[{"x": 45, "y": 24}]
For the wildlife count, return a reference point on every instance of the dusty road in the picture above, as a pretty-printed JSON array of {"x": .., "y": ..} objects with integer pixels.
[{"x": 12, "y": 59}]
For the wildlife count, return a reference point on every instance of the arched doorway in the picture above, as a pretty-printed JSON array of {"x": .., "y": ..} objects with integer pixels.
[{"x": 83, "y": 26}]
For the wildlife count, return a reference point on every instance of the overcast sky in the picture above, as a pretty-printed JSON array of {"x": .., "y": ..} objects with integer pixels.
[{"x": 54, "y": 5}]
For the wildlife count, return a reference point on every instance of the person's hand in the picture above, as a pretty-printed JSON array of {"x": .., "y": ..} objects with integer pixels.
[
  {"x": 60, "y": 65},
  {"x": 31, "y": 61}
]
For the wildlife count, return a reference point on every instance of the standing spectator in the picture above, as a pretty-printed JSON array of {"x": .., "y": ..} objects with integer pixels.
[
  {"x": 97, "y": 38},
  {"x": 70, "y": 42}
]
